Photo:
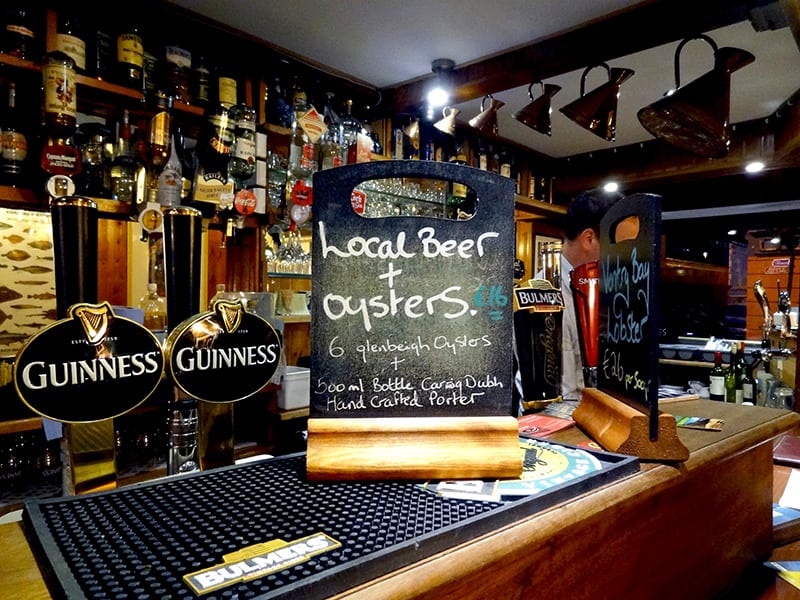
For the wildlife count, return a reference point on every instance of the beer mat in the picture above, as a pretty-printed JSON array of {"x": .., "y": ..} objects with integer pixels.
[
  {"x": 262, "y": 531},
  {"x": 466, "y": 489},
  {"x": 705, "y": 423},
  {"x": 563, "y": 409},
  {"x": 542, "y": 425},
  {"x": 548, "y": 465}
]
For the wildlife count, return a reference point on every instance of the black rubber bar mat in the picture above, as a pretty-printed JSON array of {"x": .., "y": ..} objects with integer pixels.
[{"x": 139, "y": 542}]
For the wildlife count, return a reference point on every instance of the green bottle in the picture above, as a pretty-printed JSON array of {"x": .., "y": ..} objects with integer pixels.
[{"x": 730, "y": 378}]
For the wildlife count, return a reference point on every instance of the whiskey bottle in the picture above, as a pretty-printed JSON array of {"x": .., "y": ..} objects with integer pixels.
[
  {"x": 176, "y": 71},
  {"x": 200, "y": 82},
  {"x": 13, "y": 141},
  {"x": 123, "y": 167},
  {"x": 159, "y": 135},
  {"x": 19, "y": 35},
  {"x": 130, "y": 57},
  {"x": 70, "y": 37},
  {"x": 60, "y": 95}
]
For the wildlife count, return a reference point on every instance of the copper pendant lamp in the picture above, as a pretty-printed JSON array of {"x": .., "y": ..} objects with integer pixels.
[
  {"x": 597, "y": 110},
  {"x": 536, "y": 115},
  {"x": 696, "y": 117}
]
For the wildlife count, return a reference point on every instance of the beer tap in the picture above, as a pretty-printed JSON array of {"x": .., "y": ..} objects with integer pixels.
[{"x": 761, "y": 296}]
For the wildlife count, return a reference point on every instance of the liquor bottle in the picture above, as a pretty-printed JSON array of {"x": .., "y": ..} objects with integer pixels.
[
  {"x": 188, "y": 158},
  {"x": 243, "y": 154},
  {"x": 130, "y": 56},
  {"x": 19, "y": 36},
  {"x": 70, "y": 37},
  {"x": 351, "y": 127},
  {"x": 159, "y": 135},
  {"x": 13, "y": 141},
  {"x": 331, "y": 147},
  {"x": 60, "y": 97},
  {"x": 214, "y": 146},
  {"x": 278, "y": 105},
  {"x": 123, "y": 167},
  {"x": 170, "y": 178},
  {"x": 307, "y": 125},
  {"x": 95, "y": 177},
  {"x": 176, "y": 72},
  {"x": 716, "y": 386},
  {"x": 200, "y": 82},
  {"x": 154, "y": 308},
  {"x": 101, "y": 59},
  {"x": 60, "y": 159}
]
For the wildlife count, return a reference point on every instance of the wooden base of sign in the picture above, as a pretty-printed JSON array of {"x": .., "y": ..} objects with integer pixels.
[
  {"x": 619, "y": 427},
  {"x": 413, "y": 448}
]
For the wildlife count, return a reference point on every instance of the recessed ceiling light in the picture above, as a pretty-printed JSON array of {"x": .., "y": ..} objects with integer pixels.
[{"x": 611, "y": 186}]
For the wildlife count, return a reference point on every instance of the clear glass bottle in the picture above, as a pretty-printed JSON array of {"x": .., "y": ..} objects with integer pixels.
[
  {"x": 123, "y": 167},
  {"x": 351, "y": 127},
  {"x": 60, "y": 95},
  {"x": 170, "y": 179},
  {"x": 243, "y": 154},
  {"x": 155, "y": 309}
]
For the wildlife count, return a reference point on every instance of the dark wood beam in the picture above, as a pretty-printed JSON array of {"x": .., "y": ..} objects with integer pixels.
[{"x": 644, "y": 26}]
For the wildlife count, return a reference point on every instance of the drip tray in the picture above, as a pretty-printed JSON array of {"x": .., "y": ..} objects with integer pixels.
[{"x": 280, "y": 535}]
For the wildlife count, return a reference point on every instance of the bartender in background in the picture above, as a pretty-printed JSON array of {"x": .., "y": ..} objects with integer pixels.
[{"x": 581, "y": 244}]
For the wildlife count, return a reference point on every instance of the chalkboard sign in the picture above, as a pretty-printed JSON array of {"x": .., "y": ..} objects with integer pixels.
[
  {"x": 630, "y": 250},
  {"x": 411, "y": 316}
]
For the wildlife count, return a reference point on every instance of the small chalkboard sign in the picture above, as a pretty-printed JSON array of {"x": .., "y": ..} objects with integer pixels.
[
  {"x": 630, "y": 250},
  {"x": 411, "y": 317}
]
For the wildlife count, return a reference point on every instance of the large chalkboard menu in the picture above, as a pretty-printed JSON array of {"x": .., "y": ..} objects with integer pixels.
[
  {"x": 630, "y": 250},
  {"x": 411, "y": 316}
]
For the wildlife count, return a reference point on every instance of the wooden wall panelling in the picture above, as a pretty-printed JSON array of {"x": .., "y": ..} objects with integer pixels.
[
  {"x": 769, "y": 269},
  {"x": 112, "y": 261}
]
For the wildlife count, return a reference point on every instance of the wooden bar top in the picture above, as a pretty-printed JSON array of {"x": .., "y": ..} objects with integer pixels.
[{"x": 697, "y": 525}]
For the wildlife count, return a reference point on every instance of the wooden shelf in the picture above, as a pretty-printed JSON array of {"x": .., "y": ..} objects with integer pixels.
[{"x": 539, "y": 207}]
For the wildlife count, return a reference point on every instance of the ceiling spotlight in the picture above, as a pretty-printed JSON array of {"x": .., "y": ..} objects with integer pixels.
[
  {"x": 597, "y": 110},
  {"x": 695, "y": 117},
  {"x": 439, "y": 95},
  {"x": 611, "y": 186},
  {"x": 755, "y": 166}
]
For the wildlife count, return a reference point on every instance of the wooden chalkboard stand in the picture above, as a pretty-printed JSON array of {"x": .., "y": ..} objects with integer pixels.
[
  {"x": 413, "y": 448},
  {"x": 619, "y": 427}
]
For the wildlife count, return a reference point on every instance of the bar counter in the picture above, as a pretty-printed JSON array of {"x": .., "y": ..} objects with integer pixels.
[{"x": 688, "y": 530}]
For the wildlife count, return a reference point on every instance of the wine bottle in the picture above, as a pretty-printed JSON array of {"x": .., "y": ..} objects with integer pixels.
[
  {"x": 716, "y": 385},
  {"x": 13, "y": 141},
  {"x": 730, "y": 377},
  {"x": 741, "y": 375}
]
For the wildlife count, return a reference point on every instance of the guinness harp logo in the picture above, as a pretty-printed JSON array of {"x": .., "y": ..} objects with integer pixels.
[
  {"x": 90, "y": 366},
  {"x": 95, "y": 320},
  {"x": 222, "y": 355},
  {"x": 229, "y": 314}
]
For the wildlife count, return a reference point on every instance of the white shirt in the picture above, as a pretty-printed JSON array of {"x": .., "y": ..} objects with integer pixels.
[{"x": 571, "y": 363}]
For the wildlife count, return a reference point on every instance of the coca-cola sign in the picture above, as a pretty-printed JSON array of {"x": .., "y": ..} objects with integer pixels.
[
  {"x": 93, "y": 365},
  {"x": 223, "y": 355}
]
